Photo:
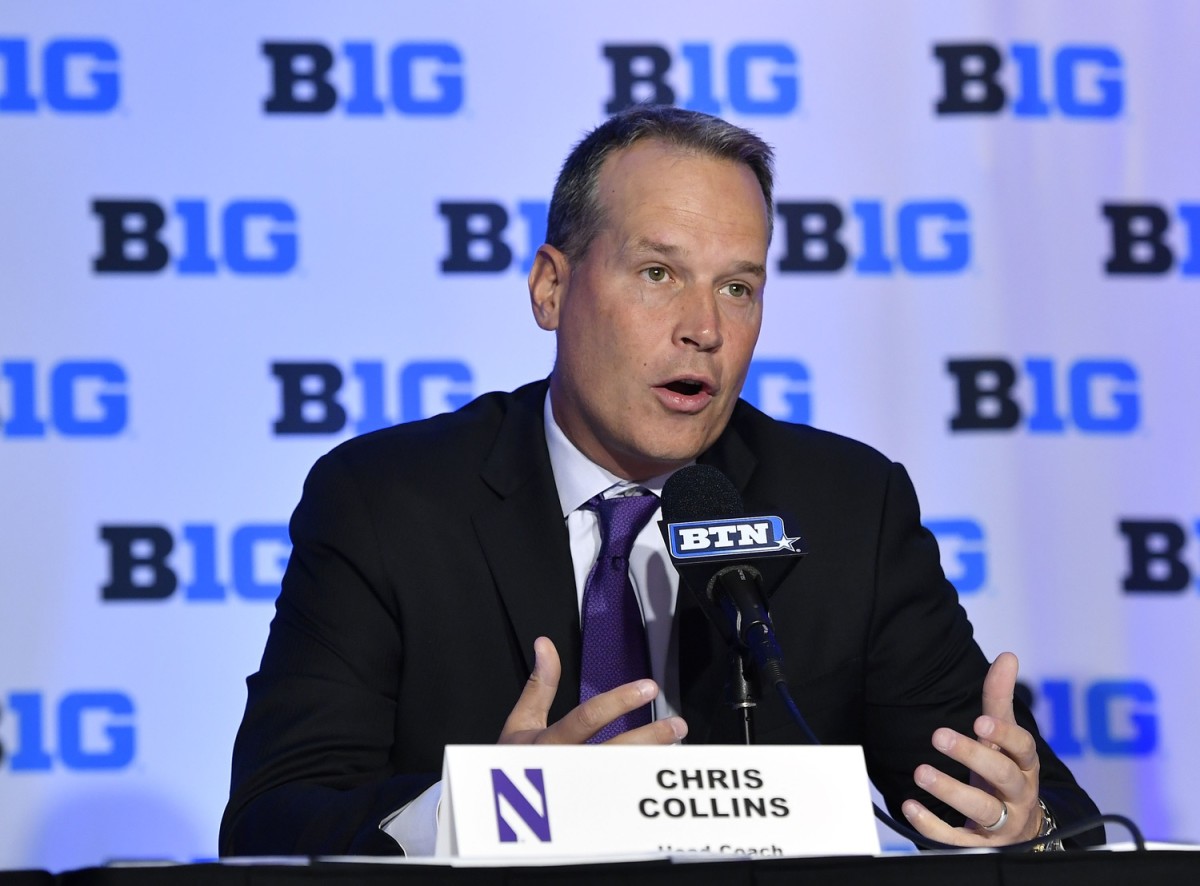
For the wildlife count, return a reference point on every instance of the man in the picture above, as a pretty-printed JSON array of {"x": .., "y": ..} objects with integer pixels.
[{"x": 431, "y": 559}]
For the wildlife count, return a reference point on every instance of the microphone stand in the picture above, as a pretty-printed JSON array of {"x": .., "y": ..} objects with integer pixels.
[{"x": 742, "y": 690}]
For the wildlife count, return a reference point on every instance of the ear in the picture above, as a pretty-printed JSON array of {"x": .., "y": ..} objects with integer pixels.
[{"x": 547, "y": 285}]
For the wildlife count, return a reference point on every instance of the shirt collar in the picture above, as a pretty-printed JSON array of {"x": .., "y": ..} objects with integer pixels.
[{"x": 576, "y": 476}]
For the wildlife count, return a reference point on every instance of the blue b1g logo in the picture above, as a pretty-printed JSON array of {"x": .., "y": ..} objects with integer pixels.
[
  {"x": 84, "y": 731},
  {"x": 918, "y": 237},
  {"x": 476, "y": 239},
  {"x": 1110, "y": 718},
  {"x": 74, "y": 398},
  {"x": 1099, "y": 396},
  {"x": 421, "y": 79},
  {"x": 747, "y": 78},
  {"x": 255, "y": 237},
  {"x": 79, "y": 76},
  {"x": 150, "y": 562},
  {"x": 1075, "y": 80},
  {"x": 322, "y": 398}
]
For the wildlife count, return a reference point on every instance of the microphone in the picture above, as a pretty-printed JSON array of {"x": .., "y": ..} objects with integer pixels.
[{"x": 713, "y": 544}]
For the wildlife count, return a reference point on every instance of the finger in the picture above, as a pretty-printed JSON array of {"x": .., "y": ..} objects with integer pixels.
[
  {"x": 666, "y": 731},
  {"x": 533, "y": 707},
  {"x": 994, "y": 767},
  {"x": 998, "y": 687},
  {"x": 929, "y": 825},
  {"x": 1015, "y": 741},
  {"x": 977, "y": 805},
  {"x": 588, "y": 718}
]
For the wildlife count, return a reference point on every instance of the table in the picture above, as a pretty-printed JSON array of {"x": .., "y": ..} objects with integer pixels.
[{"x": 1095, "y": 868}]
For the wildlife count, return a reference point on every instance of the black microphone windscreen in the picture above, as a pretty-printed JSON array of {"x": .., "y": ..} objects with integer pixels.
[{"x": 700, "y": 492}]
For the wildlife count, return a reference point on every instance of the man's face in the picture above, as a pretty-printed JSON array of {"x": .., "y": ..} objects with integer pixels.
[{"x": 656, "y": 324}]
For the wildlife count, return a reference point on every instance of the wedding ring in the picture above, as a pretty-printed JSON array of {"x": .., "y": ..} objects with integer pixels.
[{"x": 999, "y": 821}]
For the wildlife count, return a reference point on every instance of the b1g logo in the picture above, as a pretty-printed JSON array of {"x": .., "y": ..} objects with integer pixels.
[
  {"x": 1155, "y": 556},
  {"x": 1109, "y": 718},
  {"x": 1138, "y": 239},
  {"x": 79, "y": 76},
  {"x": 964, "y": 553},
  {"x": 72, "y": 398},
  {"x": 522, "y": 814},
  {"x": 146, "y": 562},
  {"x": 474, "y": 234},
  {"x": 916, "y": 237},
  {"x": 83, "y": 731},
  {"x": 1074, "y": 80},
  {"x": 747, "y": 78},
  {"x": 1102, "y": 396},
  {"x": 316, "y": 399},
  {"x": 413, "y": 79},
  {"x": 256, "y": 237}
]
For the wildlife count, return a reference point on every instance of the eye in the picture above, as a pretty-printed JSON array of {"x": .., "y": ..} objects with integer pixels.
[
  {"x": 737, "y": 290},
  {"x": 656, "y": 274}
]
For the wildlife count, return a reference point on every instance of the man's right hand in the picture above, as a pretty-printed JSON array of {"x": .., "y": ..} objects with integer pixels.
[{"x": 527, "y": 722}]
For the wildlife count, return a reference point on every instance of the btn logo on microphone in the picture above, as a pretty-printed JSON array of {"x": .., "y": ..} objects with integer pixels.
[{"x": 732, "y": 537}]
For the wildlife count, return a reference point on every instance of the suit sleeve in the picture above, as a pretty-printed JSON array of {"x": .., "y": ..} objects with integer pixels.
[
  {"x": 312, "y": 771},
  {"x": 924, "y": 670}
]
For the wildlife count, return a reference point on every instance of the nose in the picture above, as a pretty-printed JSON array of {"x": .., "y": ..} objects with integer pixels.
[{"x": 698, "y": 324}]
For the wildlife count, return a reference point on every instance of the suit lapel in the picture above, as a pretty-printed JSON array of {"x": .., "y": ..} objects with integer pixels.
[{"x": 524, "y": 539}]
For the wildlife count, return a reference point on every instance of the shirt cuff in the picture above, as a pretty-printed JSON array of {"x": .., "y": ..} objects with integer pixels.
[{"x": 414, "y": 826}]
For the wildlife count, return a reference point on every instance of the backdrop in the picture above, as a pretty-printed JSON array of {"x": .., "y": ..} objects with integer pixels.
[{"x": 235, "y": 234}]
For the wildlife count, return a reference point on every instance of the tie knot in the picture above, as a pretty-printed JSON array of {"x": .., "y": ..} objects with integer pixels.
[{"x": 621, "y": 519}]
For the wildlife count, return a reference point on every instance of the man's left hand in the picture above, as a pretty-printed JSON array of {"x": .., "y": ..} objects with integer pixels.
[{"x": 1003, "y": 762}]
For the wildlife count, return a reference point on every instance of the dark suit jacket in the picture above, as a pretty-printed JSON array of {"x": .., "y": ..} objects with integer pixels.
[{"x": 428, "y": 557}]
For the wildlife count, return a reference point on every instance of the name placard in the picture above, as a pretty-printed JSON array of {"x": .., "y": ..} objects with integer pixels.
[{"x": 506, "y": 802}]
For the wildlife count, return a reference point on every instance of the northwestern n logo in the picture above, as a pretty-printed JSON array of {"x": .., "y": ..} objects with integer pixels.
[{"x": 521, "y": 813}]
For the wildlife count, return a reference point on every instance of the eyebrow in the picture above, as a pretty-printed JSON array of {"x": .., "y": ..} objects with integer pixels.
[{"x": 669, "y": 250}]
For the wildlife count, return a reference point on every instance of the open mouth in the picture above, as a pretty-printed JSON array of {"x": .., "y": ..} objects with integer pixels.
[
  {"x": 687, "y": 396},
  {"x": 686, "y": 387}
]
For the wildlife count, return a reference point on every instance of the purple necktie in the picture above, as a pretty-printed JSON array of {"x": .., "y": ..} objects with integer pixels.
[{"x": 614, "y": 638}]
